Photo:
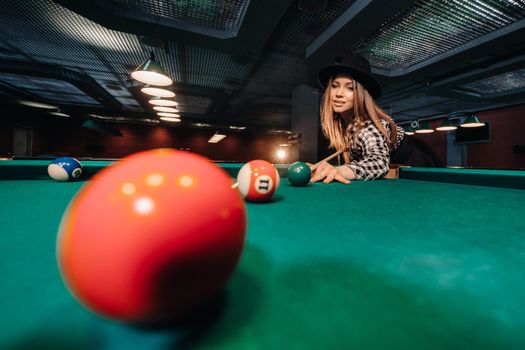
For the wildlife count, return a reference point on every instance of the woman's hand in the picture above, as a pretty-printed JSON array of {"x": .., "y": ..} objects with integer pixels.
[{"x": 328, "y": 173}]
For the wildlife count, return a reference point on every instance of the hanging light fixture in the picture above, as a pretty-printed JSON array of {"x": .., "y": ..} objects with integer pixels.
[
  {"x": 156, "y": 91},
  {"x": 424, "y": 128},
  {"x": 37, "y": 104},
  {"x": 216, "y": 138},
  {"x": 58, "y": 113},
  {"x": 409, "y": 130},
  {"x": 165, "y": 109},
  {"x": 171, "y": 119},
  {"x": 151, "y": 72},
  {"x": 157, "y": 101},
  {"x": 472, "y": 122},
  {"x": 446, "y": 125},
  {"x": 167, "y": 114}
]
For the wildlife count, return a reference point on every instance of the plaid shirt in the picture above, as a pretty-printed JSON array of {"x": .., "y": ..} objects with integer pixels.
[{"x": 370, "y": 152}]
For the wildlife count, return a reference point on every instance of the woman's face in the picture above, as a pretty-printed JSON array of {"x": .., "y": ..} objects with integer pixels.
[{"x": 342, "y": 94}]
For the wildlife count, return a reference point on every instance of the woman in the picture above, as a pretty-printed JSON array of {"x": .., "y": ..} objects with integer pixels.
[{"x": 356, "y": 126}]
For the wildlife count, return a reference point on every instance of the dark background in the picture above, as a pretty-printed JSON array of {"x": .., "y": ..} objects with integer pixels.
[{"x": 238, "y": 63}]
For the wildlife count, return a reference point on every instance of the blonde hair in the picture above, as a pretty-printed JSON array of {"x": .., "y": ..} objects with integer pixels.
[{"x": 365, "y": 108}]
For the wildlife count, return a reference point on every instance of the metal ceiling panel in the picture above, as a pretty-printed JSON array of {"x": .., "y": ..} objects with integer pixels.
[
  {"x": 189, "y": 22},
  {"x": 501, "y": 84},
  {"x": 431, "y": 27},
  {"x": 277, "y": 76},
  {"x": 297, "y": 29},
  {"x": 130, "y": 104},
  {"x": 193, "y": 104},
  {"x": 210, "y": 68},
  {"x": 220, "y": 19},
  {"x": 66, "y": 99},
  {"x": 54, "y": 90}
]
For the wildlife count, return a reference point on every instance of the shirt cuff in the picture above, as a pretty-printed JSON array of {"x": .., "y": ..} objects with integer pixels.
[{"x": 358, "y": 171}]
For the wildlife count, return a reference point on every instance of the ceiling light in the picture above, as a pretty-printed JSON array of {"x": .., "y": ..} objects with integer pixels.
[
  {"x": 170, "y": 119},
  {"x": 37, "y": 104},
  {"x": 159, "y": 92},
  {"x": 151, "y": 72},
  {"x": 446, "y": 125},
  {"x": 472, "y": 122},
  {"x": 409, "y": 130},
  {"x": 424, "y": 128},
  {"x": 157, "y": 101},
  {"x": 166, "y": 114},
  {"x": 216, "y": 138},
  {"x": 124, "y": 119},
  {"x": 237, "y": 127},
  {"x": 165, "y": 109},
  {"x": 278, "y": 131},
  {"x": 60, "y": 114}
]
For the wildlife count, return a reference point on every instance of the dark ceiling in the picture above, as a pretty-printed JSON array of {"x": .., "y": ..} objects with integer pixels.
[{"x": 236, "y": 62}]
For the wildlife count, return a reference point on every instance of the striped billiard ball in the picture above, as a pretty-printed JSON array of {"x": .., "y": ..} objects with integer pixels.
[
  {"x": 258, "y": 181},
  {"x": 64, "y": 169}
]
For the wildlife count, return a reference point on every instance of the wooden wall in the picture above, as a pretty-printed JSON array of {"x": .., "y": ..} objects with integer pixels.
[
  {"x": 507, "y": 131},
  {"x": 507, "y": 128},
  {"x": 58, "y": 136}
]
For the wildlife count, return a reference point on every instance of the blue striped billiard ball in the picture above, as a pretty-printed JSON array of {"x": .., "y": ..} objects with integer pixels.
[{"x": 64, "y": 169}]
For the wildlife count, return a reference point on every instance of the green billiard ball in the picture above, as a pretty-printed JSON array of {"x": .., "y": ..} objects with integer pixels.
[{"x": 299, "y": 174}]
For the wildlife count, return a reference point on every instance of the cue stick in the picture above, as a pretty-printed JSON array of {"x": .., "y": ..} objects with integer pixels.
[{"x": 325, "y": 160}]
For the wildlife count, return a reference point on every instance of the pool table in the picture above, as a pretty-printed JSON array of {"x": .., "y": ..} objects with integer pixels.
[{"x": 386, "y": 264}]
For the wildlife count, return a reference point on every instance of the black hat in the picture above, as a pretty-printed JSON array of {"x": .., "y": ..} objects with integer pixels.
[{"x": 357, "y": 67}]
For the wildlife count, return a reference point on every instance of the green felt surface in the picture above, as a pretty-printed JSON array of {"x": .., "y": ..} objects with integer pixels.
[
  {"x": 480, "y": 177},
  {"x": 391, "y": 264}
]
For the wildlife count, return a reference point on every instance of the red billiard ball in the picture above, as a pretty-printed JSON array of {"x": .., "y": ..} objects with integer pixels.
[
  {"x": 258, "y": 180},
  {"x": 151, "y": 237}
]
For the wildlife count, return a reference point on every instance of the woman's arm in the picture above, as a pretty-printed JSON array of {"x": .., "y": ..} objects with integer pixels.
[{"x": 375, "y": 155}]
